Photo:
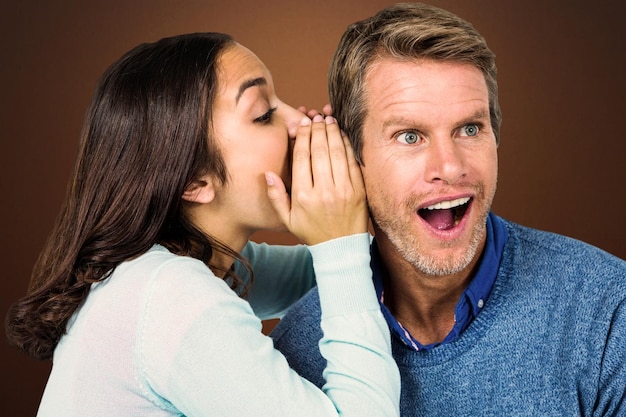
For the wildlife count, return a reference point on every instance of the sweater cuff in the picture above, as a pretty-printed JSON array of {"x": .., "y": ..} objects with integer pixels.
[{"x": 344, "y": 276}]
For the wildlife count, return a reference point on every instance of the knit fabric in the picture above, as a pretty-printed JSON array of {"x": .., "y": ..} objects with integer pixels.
[
  {"x": 163, "y": 336},
  {"x": 550, "y": 341}
]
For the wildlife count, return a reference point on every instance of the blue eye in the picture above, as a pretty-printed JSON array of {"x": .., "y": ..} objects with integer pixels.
[
  {"x": 265, "y": 118},
  {"x": 470, "y": 130},
  {"x": 408, "y": 137}
]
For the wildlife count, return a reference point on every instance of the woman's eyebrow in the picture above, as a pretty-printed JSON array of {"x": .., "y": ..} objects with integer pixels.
[{"x": 247, "y": 84}]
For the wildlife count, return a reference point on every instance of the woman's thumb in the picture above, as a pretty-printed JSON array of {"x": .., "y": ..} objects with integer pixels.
[{"x": 278, "y": 196}]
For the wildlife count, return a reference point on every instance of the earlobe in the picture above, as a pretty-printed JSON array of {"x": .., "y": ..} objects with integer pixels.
[{"x": 200, "y": 191}]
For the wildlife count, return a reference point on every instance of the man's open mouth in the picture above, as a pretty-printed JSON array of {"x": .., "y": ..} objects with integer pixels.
[{"x": 446, "y": 214}]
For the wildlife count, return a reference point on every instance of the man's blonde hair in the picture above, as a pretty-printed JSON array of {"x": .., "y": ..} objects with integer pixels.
[{"x": 405, "y": 31}]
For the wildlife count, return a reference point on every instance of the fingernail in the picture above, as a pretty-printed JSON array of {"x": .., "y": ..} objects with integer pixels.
[
  {"x": 305, "y": 121},
  {"x": 269, "y": 179},
  {"x": 318, "y": 118},
  {"x": 329, "y": 120}
]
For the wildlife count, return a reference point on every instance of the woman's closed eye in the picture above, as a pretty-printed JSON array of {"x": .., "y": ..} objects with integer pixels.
[{"x": 266, "y": 118}]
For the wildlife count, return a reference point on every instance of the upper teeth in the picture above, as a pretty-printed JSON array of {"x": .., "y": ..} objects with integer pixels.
[{"x": 448, "y": 204}]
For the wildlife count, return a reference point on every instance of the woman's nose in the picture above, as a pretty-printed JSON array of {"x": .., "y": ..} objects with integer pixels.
[{"x": 293, "y": 117}]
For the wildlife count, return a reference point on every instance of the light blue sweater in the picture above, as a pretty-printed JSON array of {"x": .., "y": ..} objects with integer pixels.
[
  {"x": 550, "y": 341},
  {"x": 163, "y": 336}
]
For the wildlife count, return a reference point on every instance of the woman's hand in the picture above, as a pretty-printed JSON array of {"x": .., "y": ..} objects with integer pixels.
[
  {"x": 327, "y": 110},
  {"x": 327, "y": 192}
]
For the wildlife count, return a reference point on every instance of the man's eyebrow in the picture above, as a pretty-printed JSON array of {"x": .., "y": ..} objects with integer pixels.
[
  {"x": 395, "y": 121},
  {"x": 478, "y": 114},
  {"x": 399, "y": 120},
  {"x": 247, "y": 84}
]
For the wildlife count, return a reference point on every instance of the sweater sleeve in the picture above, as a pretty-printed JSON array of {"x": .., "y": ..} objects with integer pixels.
[
  {"x": 282, "y": 275},
  {"x": 201, "y": 351},
  {"x": 355, "y": 332}
]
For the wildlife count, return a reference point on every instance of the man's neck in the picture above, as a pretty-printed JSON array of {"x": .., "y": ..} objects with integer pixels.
[{"x": 423, "y": 304}]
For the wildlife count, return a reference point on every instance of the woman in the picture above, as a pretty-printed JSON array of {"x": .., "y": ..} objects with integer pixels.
[{"x": 136, "y": 296}]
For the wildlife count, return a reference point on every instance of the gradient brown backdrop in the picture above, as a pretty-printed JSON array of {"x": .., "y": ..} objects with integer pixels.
[{"x": 562, "y": 90}]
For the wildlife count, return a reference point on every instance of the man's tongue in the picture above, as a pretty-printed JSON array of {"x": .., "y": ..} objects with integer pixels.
[{"x": 439, "y": 219}]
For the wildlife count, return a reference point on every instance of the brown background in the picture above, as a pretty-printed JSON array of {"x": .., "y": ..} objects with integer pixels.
[{"x": 562, "y": 89}]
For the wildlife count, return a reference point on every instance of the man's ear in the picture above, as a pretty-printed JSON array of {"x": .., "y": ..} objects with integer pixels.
[{"x": 200, "y": 191}]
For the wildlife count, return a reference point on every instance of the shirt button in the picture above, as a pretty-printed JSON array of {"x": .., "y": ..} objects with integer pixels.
[{"x": 481, "y": 303}]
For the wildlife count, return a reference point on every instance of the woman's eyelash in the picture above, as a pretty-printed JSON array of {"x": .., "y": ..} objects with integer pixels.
[{"x": 267, "y": 117}]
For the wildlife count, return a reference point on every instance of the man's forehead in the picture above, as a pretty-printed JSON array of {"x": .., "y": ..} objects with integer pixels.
[{"x": 389, "y": 80}]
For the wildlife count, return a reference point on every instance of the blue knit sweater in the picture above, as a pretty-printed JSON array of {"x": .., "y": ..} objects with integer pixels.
[{"x": 550, "y": 341}]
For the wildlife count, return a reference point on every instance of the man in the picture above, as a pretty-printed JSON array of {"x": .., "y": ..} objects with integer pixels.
[{"x": 487, "y": 317}]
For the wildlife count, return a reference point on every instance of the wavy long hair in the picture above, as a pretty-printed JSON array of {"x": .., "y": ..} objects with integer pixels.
[{"x": 146, "y": 137}]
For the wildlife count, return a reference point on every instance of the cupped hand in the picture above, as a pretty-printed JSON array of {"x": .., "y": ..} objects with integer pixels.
[
  {"x": 327, "y": 110},
  {"x": 327, "y": 191}
]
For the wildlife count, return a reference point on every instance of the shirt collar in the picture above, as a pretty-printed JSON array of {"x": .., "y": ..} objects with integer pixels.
[{"x": 472, "y": 300}]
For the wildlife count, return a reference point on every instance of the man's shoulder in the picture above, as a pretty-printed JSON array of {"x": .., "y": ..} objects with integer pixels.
[
  {"x": 547, "y": 257},
  {"x": 543, "y": 244},
  {"x": 301, "y": 317}
]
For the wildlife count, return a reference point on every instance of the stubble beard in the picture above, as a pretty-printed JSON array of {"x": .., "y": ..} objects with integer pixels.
[{"x": 401, "y": 234}]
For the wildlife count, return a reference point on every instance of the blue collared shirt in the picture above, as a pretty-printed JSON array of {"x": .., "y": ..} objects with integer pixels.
[{"x": 473, "y": 298}]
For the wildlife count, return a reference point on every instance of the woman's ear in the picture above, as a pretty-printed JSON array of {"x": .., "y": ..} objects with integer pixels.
[{"x": 200, "y": 191}]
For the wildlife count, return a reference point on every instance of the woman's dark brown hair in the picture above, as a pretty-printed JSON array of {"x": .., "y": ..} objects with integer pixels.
[{"x": 146, "y": 137}]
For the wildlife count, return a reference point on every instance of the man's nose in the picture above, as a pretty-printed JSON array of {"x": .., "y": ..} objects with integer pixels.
[{"x": 444, "y": 161}]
